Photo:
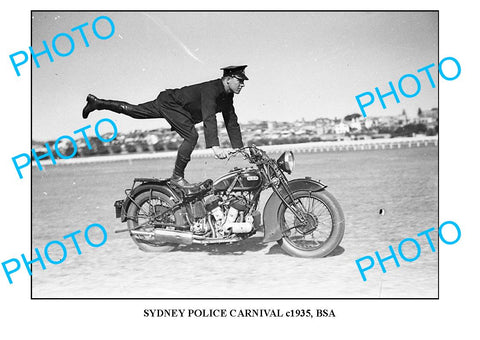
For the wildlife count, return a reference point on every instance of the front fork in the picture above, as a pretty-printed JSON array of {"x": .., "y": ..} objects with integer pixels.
[
  {"x": 283, "y": 193},
  {"x": 292, "y": 207}
]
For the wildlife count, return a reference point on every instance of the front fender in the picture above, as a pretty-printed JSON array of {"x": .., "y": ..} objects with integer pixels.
[
  {"x": 147, "y": 184},
  {"x": 270, "y": 212}
]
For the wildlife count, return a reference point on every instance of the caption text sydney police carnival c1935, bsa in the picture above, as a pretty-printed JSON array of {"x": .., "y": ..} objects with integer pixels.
[{"x": 239, "y": 313}]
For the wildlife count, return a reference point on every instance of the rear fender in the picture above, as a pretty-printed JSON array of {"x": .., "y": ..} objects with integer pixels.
[
  {"x": 147, "y": 185},
  {"x": 270, "y": 217}
]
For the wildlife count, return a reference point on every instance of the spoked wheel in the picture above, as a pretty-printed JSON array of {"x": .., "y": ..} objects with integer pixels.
[
  {"x": 142, "y": 218},
  {"x": 320, "y": 227}
]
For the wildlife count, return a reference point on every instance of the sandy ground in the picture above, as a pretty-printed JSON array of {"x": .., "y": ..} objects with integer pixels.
[{"x": 404, "y": 182}]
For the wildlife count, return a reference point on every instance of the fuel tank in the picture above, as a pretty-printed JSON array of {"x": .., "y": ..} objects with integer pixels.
[{"x": 244, "y": 179}]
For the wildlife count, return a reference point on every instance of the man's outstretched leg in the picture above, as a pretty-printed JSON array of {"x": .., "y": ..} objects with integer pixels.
[{"x": 142, "y": 111}]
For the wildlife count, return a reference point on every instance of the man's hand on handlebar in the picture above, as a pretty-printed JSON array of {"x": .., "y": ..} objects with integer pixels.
[{"x": 219, "y": 152}]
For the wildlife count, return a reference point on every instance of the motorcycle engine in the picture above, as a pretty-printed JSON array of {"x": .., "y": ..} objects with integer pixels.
[{"x": 229, "y": 215}]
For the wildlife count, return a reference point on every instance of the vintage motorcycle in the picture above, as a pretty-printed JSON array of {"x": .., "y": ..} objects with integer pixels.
[{"x": 304, "y": 218}]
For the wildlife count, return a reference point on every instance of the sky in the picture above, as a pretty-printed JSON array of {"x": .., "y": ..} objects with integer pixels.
[{"x": 300, "y": 64}]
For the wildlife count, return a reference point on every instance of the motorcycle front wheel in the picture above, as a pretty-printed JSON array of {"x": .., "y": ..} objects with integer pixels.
[
  {"x": 321, "y": 230},
  {"x": 141, "y": 216}
]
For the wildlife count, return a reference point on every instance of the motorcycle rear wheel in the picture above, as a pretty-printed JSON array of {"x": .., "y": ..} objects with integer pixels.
[
  {"x": 323, "y": 230},
  {"x": 149, "y": 202}
]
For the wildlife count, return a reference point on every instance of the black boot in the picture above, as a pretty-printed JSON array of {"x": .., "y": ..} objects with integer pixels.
[
  {"x": 183, "y": 184},
  {"x": 93, "y": 103},
  {"x": 181, "y": 181}
]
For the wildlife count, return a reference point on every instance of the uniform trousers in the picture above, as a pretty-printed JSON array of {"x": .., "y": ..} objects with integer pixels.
[{"x": 179, "y": 119}]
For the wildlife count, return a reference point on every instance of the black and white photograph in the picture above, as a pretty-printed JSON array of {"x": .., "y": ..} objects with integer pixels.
[
  {"x": 239, "y": 170},
  {"x": 276, "y": 196}
]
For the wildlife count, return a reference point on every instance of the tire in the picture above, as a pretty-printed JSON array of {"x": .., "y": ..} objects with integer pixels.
[
  {"x": 148, "y": 201},
  {"x": 323, "y": 231}
]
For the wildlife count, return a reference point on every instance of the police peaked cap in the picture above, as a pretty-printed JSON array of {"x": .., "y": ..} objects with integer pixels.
[{"x": 235, "y": 71}]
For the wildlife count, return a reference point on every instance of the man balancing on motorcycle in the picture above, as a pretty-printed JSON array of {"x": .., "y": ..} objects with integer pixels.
[{"x": 183, "y": 108}]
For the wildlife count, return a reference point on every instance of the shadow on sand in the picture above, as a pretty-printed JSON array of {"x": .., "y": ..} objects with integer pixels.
[
  {"x": 252, "y": 245},
  {"x": 276, "y": 249}
]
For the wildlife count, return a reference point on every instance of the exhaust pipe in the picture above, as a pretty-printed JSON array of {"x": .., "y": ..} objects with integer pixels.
[
  {"x": 172, "y": 236},
  {"x": 169, "y": 236}
]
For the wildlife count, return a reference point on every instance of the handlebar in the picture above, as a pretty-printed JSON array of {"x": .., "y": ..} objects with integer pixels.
[{"x": 252, "y": 153}]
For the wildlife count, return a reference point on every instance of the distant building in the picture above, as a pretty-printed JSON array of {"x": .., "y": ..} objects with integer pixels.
[
  {"x": 341, "y": 128},
  {"x": 428, "y": 117}
]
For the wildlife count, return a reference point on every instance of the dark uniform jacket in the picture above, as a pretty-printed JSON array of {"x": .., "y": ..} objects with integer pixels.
[{"x": 201, "y": 102}]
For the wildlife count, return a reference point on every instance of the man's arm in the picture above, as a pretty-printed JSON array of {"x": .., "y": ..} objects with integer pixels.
[
  {"x": 209, "y": 106},
  {"x": 233, "y": 128}
]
